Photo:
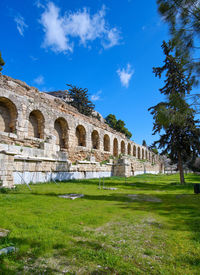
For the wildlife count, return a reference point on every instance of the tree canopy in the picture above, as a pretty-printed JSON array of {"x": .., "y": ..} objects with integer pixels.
[
  {"x": 154, "y": 150},
  {"x": 174, "y": 116},
  {"x": 144, "y": 143},
  {"x": 183, "y": 17},
  {"x": 2, "y": 63},
  {"x": 79, "y": 100},
  {"x": 118, "y": 125}
]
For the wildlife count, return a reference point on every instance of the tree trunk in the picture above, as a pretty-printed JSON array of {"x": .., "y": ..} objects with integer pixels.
[{"x": 180, "y": 167}]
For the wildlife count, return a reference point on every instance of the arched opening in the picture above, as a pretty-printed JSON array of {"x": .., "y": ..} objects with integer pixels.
[
  {"x": 106, "y": 143},
  {"x": 95, "y": 140},
  {"x": 142, "y": 153},
  {"x": 134, "y": 151},
  {"x": 123, "y": 147},
  {"x": 129, "y": 149},
  {"x": 115, "y": 147},
  {"x": 81, "y": 136},
  {"x": 61, "y": 132},
  {"x": 36, "y": 124},
  {"x": 8, "y": 115},
  {"x": 149, "y": 156},
  {"x": 138, "y": 152},
  {"x": 146, "y": 157}
]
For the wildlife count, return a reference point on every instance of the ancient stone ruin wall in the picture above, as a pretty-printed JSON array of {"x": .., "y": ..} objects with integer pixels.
[{"x": 42, "y": 138}]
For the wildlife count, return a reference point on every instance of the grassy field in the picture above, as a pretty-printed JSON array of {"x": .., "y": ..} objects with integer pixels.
[{"x": 149, "y": 225}]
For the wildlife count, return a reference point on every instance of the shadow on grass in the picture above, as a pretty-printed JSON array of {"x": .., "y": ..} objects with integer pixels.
[
  {"x": 30, "y": 265},
  {"x": 132, "y": 186}
]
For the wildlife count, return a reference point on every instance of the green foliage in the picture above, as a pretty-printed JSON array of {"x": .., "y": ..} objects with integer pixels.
[
  {"x": 98, "y": 117},
  {"x": 2, "y": 63},
  {"x": 174, "y": 116},
  {"x": 154, "y": 150},
  {"x": 111, "y": 121},
  {"x": 79, "y": 100},
  {"x": 118, "y": 125},
  {"x": 144, "y": 143},
  {"x": 183, "y": 18},
  {"x": 4, "y": 190},
  {"x": 104, "y": 161},
  {"x": 195, "y": 165}
]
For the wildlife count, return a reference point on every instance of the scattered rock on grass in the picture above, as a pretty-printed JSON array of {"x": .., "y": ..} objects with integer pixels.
[
  {"x": 144, "y": 198},
  {"x": 4, "y": 232},
  {"x": 7, "y": 250},
  {"x": 71, "y": 196},
  {"x": 109, "y": 188}
]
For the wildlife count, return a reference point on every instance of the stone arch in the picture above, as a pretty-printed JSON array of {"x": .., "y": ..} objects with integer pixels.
[
  {"x": 146, "y": 157},
  {"x": 142, "y": 153},
  {"x": 134, "y": 150},
  {"x": 129, "y": 149},
  {"x": 81, "y": 136},
  {"x": 106, "y": 143},
  {"x": 95, "y": 140},
  {"x": 122, "y": 147},
  {"x": 139, "y": 153},
  {"x": 8, "y": 115},
  {"x": 36, "y": 124},
  {"x": 153, "y": 159},
  {"x": 61, "y": 132},
  {"x": 149, "y": 156},
  {"x": 115, "y": 147}
]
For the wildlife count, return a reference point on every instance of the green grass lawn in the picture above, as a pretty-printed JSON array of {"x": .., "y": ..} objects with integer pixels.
[{"x": 154, "y": 231}]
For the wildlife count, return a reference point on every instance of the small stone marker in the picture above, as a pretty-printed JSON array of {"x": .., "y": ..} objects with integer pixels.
[
  {"x": 4, "y": 233},
  {"x": 7, "y": 250},
  {"x": 71, "y": 196}
]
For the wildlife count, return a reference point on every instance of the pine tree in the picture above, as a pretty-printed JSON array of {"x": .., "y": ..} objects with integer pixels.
[
  {"x": 174, "y": 116},
  {"x": 118, "y": 125},
  {"x": 79, "y": 100},
  {"x": 183, "y": 17},
  {"x": 144, "y": 143},
  {"x": 2, "y": 63},
  {"x": 111, "y": 121}
]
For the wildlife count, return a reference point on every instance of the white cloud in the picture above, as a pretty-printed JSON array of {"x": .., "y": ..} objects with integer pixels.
[
  {"x": 125, "y": 75},
  {"x": 113, "y": 38},
  {"x": 39, "y": 80},
  {"x": 21, "y": 25},
  {"x": 96, "y": 97},
  {"x": 54, "y": 30},
  {"x": 39, "y": 4},
  {"x": 60, "y": 30},
  {"x": 33, "y": 58}
]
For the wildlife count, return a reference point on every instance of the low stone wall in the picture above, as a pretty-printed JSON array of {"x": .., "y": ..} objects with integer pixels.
[
  {"x": 37, "y": 177},
  {"x": 20, "y": 165}
]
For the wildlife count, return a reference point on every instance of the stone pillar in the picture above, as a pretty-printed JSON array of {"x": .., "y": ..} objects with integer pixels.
[
  {"x": 6, "y": 169},
  {"x": 122, "y": 168}
]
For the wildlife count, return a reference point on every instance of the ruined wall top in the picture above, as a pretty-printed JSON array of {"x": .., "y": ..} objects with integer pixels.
[{"x": 21, "y": 88}]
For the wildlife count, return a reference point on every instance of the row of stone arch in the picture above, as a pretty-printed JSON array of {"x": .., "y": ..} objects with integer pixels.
[{"x": 36, "y": 126}]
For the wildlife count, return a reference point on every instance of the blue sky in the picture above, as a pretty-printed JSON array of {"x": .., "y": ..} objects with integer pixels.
[{"x": 106, "y": 46}]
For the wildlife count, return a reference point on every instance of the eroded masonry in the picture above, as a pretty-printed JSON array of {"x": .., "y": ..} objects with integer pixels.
[{"x": 42, "y": 138}]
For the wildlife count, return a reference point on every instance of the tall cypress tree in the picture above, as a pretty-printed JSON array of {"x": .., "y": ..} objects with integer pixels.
[
  {"x": 174, "y": 116},
  {"x": 2, "y": 63}
]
